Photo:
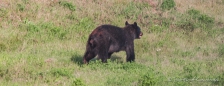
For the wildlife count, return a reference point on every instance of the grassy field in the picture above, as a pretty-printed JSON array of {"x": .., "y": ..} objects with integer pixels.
[{"x": 42, "y": 43}]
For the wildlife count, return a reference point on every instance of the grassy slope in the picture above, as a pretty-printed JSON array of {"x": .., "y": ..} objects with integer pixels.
[{"x": 42, "y": 43}]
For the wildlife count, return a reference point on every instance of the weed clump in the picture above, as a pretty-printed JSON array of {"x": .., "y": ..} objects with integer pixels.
[
  {"x": 132, "y": 10},
  {"x": 61, "y": 72},
  {"x": 220, "y": 80},
  {"x": 190, "y": 69},
  {"x": 78, "y": 82},
  {"x": 202, "y": 19},
  {"x": 194, "y": 19},
  {"x": 168, "y": 4},
  {"x": 21, "y": 7},
  {"x": 2, "y": 47},
  {"x": 68, "y": 5},
  {"x": 221, "y": 51},
  {"x": 43, "y": 28},
  {"x": 148, "y": 79},
  {"x": 3, "y": 13},
  {"x": 194, "y": 13}
]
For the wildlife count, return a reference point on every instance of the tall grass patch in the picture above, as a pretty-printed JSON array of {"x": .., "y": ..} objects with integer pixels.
[
  {"x": 39, "y": 31},
  {"x": 68, "y": 5},
  {"x": 123, "y": 73},
  {"x": 193, "y": 19},
  {"x": 221, "y": 51},
  {"x": 168, "y": 4}
]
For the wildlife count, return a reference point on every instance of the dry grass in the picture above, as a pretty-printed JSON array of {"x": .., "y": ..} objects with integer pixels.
[{"x": 211, "y": 7}]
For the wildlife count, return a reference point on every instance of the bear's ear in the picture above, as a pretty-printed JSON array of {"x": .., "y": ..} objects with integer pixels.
[
  {"x": 135, "y": 23},
  {"x": 126, "y": 23}
]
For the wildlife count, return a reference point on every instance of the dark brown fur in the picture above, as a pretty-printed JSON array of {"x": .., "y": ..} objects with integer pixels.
[{"x": 107, "y": 39}]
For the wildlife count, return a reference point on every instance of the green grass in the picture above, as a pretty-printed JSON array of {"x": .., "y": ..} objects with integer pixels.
[{"x": 42, "y": 43}]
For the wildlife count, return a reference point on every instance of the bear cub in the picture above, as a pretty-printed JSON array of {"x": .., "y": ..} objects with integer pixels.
[{"x": 107, "y": 39}]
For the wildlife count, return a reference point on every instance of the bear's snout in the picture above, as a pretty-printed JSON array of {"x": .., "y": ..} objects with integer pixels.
[{"x": 140, "y": 35}]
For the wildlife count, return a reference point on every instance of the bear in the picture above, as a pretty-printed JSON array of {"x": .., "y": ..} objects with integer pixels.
[{"x": 107, "y": 39}]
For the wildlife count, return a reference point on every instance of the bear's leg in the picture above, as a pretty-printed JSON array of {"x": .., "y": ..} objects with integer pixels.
[
  {"x": 103, "y": 55},
  {"x": 103, "y": 48},
  {"x": 130, "y": 56},
  {"x": 88, "y": 56},
  {"x": 103, "y": 52},
  {"x": 109, "y": 55},
  {"x": 130, "y": 53}
]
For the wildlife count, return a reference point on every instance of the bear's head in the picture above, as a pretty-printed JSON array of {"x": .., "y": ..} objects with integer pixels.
[{"x": 135, "y": 29}]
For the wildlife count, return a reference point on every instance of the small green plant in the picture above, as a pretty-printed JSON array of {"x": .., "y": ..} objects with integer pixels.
[
  {"x": 20, "y": 7},
  {"x": 132, "y": 10},
  {"x": 220, "y": 80},
  {"x": 168, "y": 4},
  {"x": 3, "y": 13},
  {"x": 25, "y": 1},
  {"x": 85, "y": 24},
  {"x": 15, "y": 43},
  {"x": 148, "y": 79},
  {"x": 194, "y": 13},
  {"x": 187, "y": 25},
  {"x": 53, "y": 31},
  {"x": 72, "y": 16},
  {"x": 222, "y": 30},
  {"x": 156, "y": 29},
  {"x": 2, "y": 47},
  {"x": 176, "y": 61},
  {"x": 128, "y": 11},
  {"x": 2, "y": 72},
  {"x": 57, "y": 72},
  {"x": 30, "y": 26},
  {"x": 166, "y": 23},
  {"x": 117, "y": 81},
  {"x": 68, "y": 5},
  {"x": 194, "y": 19},
  {"x": 206, "y": 21},
  {"x": 191, "y": 70},
  {"x": 221, "y": 50},
  {"x": 33, "y": 28},
  {"x": 78, "y": 82},
  {"x": 38, "y": 30},
  {"x": 189, "y": 53}
]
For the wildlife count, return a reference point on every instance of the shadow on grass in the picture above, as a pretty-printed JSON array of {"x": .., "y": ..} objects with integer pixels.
[
  {"x": 77, "y": 59},
  {"x": 116, "y": 58}
]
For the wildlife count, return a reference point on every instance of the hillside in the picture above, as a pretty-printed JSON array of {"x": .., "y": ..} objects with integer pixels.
[{"x": 42, "y": 42}]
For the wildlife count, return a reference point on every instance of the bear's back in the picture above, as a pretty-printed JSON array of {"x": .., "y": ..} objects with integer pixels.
[
  {"x": 113, "y": 31},
  {"x": 111, "y": 28}
]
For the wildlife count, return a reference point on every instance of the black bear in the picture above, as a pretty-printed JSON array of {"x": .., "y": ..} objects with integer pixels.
[{"x": 107, "y": 39}]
